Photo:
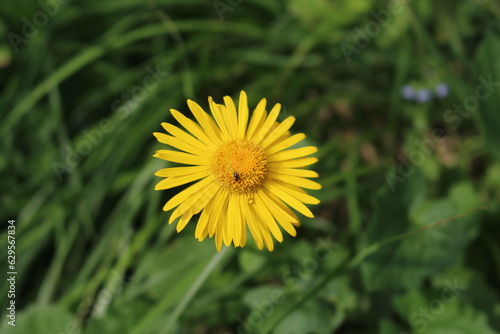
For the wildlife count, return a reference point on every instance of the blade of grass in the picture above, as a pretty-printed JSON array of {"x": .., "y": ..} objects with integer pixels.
[{"x": 188, "y": 296}]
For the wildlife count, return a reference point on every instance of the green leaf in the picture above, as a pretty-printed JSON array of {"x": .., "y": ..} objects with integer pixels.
[
  {"x": 388, "y": 327},
  {"x": 457, "y": 319},
  {"x": 263, "y": 296},
  {"x": 389, "y": 219},
  {"x": 310, "y": 318},
  {"x": 118, "y": 319},
  {"x": 406, "y": 263},
  {"x": 441, "y": 315},
  {"x": 478, "y": 291},
  {"x": 251, "y": 260},
  {"x": 406, "y": 304},
  {"x": 493, "y": 177}
]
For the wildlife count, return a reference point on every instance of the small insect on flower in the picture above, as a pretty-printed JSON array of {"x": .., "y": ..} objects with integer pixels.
[{"x": 255, "y": 145}]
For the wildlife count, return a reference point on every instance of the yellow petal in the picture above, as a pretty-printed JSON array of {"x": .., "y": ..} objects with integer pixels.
[
  {"x": 202, "y": 227},
  {"x": 225, "y": 118},
  {"x": 235, "y": 218},
  {"x": 292, "y": 154},
  {"x": 180, "y": 171},
  {"x": 288, "y": 199},
  {"x": 196, "y": 202},
  {"x": 279, "y": 131},
  {"x": 283, "y": 137},
  {"x": 206, "y": 122},
  {"x": 293, "y": 163},
  {"x": 298, "y": 181},
  {"x": 243, "y": 238},
  {"x": 183, "y": 221},
  {"x": 278, "y": 208},
  {"x": 181, "y": 157},
  {"x": 231, "y": 118},
  {"x": 181, "y": 145},
  {"x": 294, "y": 172},
  {"x": 201, "y": 231},
  {"x": 226, "y": 235},
  {"x": 192, "y": 127},
  {"x": 297, "y": 192},
  {"x": 185, "y": 137},
  {"x": 231, "y": 217},
  {"x": 172, "y": 182},
  {"x": 266, "y": 217},
  {"x": 218, "y": 237},
  {"x": 242, "y": 115},
  {"x": 257, "y": 117},
  {"x": 252, "y": 223},
  {"x": 219, "y": 118},
  {"x": 187, "y": 193},
  {"x": 207, "y": 195},
  {"x": 220, "y": 204},
  {"x": 280, "y": 145},
  {"x": 268, "y": 124},
  {"x": 268, "y": 241},
  {"x": 291, "y": 216}
]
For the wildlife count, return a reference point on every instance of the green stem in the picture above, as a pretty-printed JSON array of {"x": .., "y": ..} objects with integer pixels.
[
  {"x": 188, "y": 296},
  {"x": 195, "y": 287}
]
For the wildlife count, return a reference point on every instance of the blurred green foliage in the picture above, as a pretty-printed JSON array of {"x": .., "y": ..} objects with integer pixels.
[{"x": 404, "y": 241}]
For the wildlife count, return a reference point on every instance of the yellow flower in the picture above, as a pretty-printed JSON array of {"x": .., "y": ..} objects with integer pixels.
[{"x": 245, "y": 174}]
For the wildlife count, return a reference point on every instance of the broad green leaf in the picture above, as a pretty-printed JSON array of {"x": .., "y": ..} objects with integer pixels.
[
  {"x": 390, "y": 218},
  {"x": 312, "y": 317},
  {"x": 119, "y": 318},
  {"x": 264, "y": 298},
  {"x": 406, "y": 263},
  {"x": 493, "y": 177},
  {"x": 251, "y": 260},
  {"x": 440, "y": 313},
  {"x": 389, "y": 327}
]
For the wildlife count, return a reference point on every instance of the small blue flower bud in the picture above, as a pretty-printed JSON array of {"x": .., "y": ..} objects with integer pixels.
[
  {"x": 407, "y": 92},
  {"x": 442, "y": 90},
  {"x": 423, "y": 95}
]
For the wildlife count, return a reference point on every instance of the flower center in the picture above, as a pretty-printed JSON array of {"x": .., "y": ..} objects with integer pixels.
[{"x": 239, "y": 166}]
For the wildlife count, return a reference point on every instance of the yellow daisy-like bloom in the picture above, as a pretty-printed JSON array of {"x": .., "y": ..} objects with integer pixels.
[{"x": 245, "y": 173}]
